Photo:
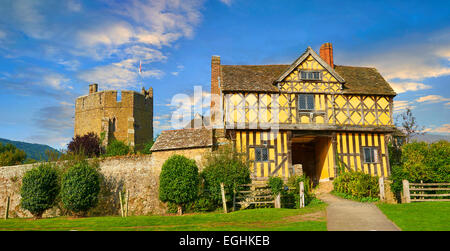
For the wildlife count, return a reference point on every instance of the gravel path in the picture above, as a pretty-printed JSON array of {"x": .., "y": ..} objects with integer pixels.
[{"x": 348, "y": 215}]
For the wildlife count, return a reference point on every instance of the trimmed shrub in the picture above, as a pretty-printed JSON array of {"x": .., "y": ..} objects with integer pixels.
[
  {"x": 276, "y": 185},
  {"x": 88, "y": 144},
  {"x": 178, "y": 181},
  {"x": 117, "y": 148},
  {"x": 40, "y": 189},
  {"x": 10, "y": 155},
  {"x": 227, "y": 166},
  {"x": 80, "y": 188},
  {"x": 357, "y": 184}
]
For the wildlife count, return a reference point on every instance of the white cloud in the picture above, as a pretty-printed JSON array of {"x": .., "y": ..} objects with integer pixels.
[
  {"x": 401, "y": 105},
  {"x": 74, "y": 5},
  {"x": 106, "y": 34},
  {"x": 54, "y": 80},
  {"x": 119, "y": 75},
  {"x": 227, "y": 2},
  {"x": 445, "y": 128},
  {"x": 422, "y": 56},
  {"x": 408, "y": 86},
  {"x": 432, "y": 99}
]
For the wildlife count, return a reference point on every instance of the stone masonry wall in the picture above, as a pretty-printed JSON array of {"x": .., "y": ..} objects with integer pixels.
[{"x": 139, "y": 174}]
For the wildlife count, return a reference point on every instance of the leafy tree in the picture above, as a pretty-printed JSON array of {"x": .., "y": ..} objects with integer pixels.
[
  {"x": 117, "y": 148},
  {"x": 39, "y": 189},
  {"x": 227, "y": 166},
  {"x": 80, "y": 188},
  {"x": 88, "y": 144},
  {"x": 409, "y": 125},
  {"x": 421, "y": 161},
  {"x": 11, "y": 155},
  {"x": 178, "y": 181}
]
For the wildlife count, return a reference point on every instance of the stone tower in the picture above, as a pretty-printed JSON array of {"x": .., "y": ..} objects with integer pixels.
[{"x": 128, "y": 119}]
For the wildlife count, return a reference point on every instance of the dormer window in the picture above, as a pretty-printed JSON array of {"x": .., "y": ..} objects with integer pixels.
[{"x": 310, "y": 75}]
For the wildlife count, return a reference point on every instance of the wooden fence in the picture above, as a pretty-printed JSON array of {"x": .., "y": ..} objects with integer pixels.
[
  {"x": 425, "y": 191},
  {"x": 257, "y": 194}
]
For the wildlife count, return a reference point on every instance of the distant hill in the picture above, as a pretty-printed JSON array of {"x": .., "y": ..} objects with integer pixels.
[
  {"x": 430, "y": 138},
  {"x": 33, "y": 151}
]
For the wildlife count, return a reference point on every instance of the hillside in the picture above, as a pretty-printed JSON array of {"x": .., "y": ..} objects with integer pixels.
[
  {"x": 33, "y": 151},
  {"x": 430, "y": 138}
]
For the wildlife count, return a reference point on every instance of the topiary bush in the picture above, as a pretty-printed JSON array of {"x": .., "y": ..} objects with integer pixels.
[
  {"x": 179, "y": 181},
  {"x": 88, "y": 144},
  {"x": 39, "y": 189},
  {"x": 276, "y": 185},
  {"x": 117, "y": 148},
  {"x": 357, "y": 184},
  {"x": 227, "y": 166},
  {"x": 80, "y": 188}
]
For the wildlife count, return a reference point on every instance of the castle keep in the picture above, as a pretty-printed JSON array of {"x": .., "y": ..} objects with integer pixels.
[{"x": 129, "y": 119}]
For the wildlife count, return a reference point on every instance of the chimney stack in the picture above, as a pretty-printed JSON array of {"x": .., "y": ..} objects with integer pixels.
[
  {"x": 326, "y": 53},
  {"x": 215, "y": 88},
  {"x": 93, "y": 88}
]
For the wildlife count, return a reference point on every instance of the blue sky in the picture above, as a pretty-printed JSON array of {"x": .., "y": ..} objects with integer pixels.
[{"x": 51, "y": 50}]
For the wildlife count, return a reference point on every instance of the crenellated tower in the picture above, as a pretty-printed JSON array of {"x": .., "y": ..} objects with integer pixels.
[{"x": 128, "y": 117}]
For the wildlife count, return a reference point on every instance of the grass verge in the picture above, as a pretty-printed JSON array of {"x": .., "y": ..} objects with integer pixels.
[
  {"x": 419, "y": 216},
  {"x": 310, "y": 218}
]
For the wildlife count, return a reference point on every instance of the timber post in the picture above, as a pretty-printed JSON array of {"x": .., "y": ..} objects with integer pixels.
[
  {"x": 302, "y": 194},
  {"x": 121, "y": 203},
  {"x": 406, "y": 193},
  {"x": 382, "y": 191},
  {"x": 7, "y": 208},
  {"x": 224, "y": 201},
  {"x": 278, "y": 201},
  {"x": 126, "y": 205}
]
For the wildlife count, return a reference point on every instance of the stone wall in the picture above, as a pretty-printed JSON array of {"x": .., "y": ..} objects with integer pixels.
[{"x": 139, "y": 174}]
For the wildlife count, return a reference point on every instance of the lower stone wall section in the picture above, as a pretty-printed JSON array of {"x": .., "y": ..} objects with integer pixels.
[{"x": 139, "y": 174}]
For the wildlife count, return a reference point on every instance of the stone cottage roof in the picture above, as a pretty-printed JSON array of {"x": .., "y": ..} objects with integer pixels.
[
  {"x": 183, "y": 139},
  {"x": 261, "y": 78}
]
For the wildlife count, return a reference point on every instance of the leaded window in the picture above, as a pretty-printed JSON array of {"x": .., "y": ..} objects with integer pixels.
[
  {"x": 370, "y": 154},
  {"x": 261, "y": 154},
  {"x": 310, "y": 75},
  {"x": 306, "y": 102}
]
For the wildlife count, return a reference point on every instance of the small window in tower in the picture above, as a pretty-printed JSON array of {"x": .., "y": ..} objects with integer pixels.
[{"x": 113, "y": 125}]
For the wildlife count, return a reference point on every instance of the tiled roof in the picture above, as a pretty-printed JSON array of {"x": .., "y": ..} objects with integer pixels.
[
  {"x": 251, "y": 77},
  {"x": 183, "y": 139},
  {"x": 363, "y": 80},
  {"x": 261, "y": 78}
]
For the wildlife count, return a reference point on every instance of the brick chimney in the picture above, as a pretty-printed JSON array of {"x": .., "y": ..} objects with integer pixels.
[
  {"x": 215, "y": 88},
  {"x": 326, "y": 53},
  {"x": 93, "y": 88}
]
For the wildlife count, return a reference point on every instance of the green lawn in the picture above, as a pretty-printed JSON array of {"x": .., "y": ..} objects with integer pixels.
[
  {"x": 311, "y": 218},
  {"x": 419, "y": 216}
]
